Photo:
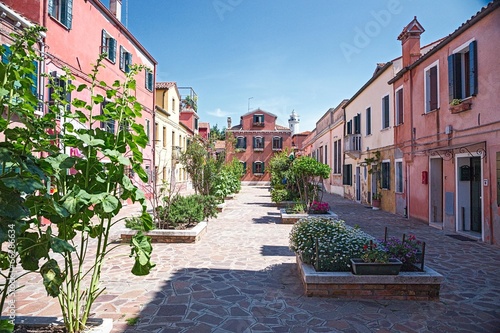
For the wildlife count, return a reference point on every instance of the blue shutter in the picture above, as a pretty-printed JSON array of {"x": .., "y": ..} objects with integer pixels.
[
  {"x": 69, "y": 13},
  {"x": 51, "y": 7},
  {"x": 6, "y": 54},
  {"x": 473, "y": 68}
]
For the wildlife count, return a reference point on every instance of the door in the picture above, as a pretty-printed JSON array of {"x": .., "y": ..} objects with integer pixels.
[
  {"x": 475, "y": 194},
  {"x": 436, "y": 191}
]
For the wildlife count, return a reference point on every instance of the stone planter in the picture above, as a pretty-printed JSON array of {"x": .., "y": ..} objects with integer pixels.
[
  {"x": 359, "y": 267},
  {"x": 287, "y": 218},
  {"x": 220, "y": 207},
  {"x": 94, "y": 325},
  {"x": 417, "y": 286},
  {"x": 170, "y": 236}
]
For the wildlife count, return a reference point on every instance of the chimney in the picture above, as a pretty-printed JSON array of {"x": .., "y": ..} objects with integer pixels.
[
  {"x": 410, "y": 41},
  {"x": 228, "y": 122},
  {"x": 115, "y": 6}
]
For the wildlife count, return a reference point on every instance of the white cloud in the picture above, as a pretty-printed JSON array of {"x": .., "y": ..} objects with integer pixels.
[{"x": 218, "y": 113}]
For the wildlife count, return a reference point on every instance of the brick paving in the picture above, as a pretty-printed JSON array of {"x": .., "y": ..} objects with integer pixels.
[{"x": 241, "y": 277}]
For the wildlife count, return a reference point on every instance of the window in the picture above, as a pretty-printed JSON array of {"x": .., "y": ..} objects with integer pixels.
[
  {"x": 320, "y": 154},
  {"x": 431, "y": 88},
  {"x": 368, "y": 121},
  {"x": 125, "y": 60},
  {"x": 241, "y": 142},
  {"x": 58, "y": 93},
  {"x": 386, "y": 175},
  {"x": 62, "y": 10},
  {"x": 258, "y": 119},
  {"x": 399, "y": 106},
  {"x": 6, "y": 54},
  {"x": 258, "y": 167},
  {"x": 277, "y": 143},
  {"x": 173, "y": 104},
  {"x": 108, "y": 125},
  {"x": 349, "y": 127},
  {"x": 337, "y": 157},
  {"x": 357, "y": 124},
  {"x": 147, "y": 128},
  {"x": 399, "y": 176},
  {"x": 385, "y": 112},
  {"x": 258, "y": 142},
  {"x": 498, "y": 179},
  {"x": 164, "y": 137},
  {"x": 462, "y": 72},
  {"x": 347, "y": 174},
  {"x": 149, "y": 80},
  {"x": 326, "y": 154},
  {"x": 108, "y": 46}
]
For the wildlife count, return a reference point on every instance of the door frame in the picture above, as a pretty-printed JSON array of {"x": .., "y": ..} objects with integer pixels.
[{"x": 457, "y": 193}]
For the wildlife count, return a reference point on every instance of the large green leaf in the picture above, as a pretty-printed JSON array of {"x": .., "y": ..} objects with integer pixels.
[
  {"x": 110, "y": 203},
  {"x": 22, "y": 184},
  {"x": 141, "y": 251},
  {"x": 60, "y": 246},
  {"x": 52, "y": 277}
]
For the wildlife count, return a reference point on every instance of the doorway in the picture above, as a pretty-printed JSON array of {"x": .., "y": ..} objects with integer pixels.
[
  {"x": 358, "y": 184},
  {"x": 469, "y": 195},
  {"x": 436, "y": 192}
]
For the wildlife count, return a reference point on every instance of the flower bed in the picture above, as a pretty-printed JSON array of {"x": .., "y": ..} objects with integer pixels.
[
  {"x": 292, "y": 218},
  {"x": 170, "y": 235}
]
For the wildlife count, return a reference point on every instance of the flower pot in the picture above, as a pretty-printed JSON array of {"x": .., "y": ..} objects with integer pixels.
[
  {"x": 376, "y": 204},
  {"x": 359, "y": 267}
]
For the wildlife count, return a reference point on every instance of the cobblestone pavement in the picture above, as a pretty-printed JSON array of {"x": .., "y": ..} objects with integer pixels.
[{"x": 241, "y": 277}]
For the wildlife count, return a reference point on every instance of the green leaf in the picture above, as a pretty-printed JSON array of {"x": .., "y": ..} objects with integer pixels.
[
  {"x": 6, "y": 326},
  {"x": 89, "y": 141},
  {"x": 60, "y": 246},
  {"x": 140, "y": 172},
  {"x": 81, "y": 87},
  {"x": 110, "y": 203},
  {"x": 141, "y": 250},
  {"x": 26, "y": 185},
  {"x": 98, "y": 99},
  {"x": 52, "y": 277}
]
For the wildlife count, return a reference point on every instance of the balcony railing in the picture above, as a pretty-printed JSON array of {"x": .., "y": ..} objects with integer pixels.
[
  {"x": 258, "y": 124},
  {"x": 352, "y": 145}
]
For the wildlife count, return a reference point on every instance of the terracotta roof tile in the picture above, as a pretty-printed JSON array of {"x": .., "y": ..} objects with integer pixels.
[{"x": 165, "y": 85}]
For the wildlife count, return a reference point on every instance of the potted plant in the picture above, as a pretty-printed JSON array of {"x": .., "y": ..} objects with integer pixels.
[
  {"x": 375, "y": 260},
  {"x": 376, "y": 197}
]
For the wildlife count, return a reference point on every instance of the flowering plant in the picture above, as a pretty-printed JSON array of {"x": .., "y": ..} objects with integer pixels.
[
  {"x": 319, "y": 207},
  {"x": 372, "y": 253},
  {"x": 405, "y": 251}
]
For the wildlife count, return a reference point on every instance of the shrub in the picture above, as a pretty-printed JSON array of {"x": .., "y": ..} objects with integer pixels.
[
  {"x": 279, "y": 195},
  {"x": 405, "y": 251},
  {"x": 337, "y": 243},
  {"x": 134, "y": 223}
]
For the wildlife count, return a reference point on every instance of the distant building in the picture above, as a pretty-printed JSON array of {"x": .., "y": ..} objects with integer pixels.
[
  {"x": 256, "y": 139},
  {"x": 204, "y": 130},
  {"x": 293, "y": 123}
]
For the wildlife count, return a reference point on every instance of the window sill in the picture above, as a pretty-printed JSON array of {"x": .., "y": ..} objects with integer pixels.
[
  {"x": 59, "y": 22},
  {"x": 277, "y": 149},
  {"x": 258, "y": 174},
  {"x": 463, "y": 106},
  {"x": 258, "y": 149},
  {"x": 431, "y": 111}
]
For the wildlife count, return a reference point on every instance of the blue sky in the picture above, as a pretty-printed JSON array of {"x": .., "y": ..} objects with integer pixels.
[{"x": 280, "y": 55}]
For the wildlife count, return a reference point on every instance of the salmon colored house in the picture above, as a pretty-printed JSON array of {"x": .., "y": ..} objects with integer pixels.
[
  {"x": 77, "y": 33},
  {"x": 257, "y": 139},
  {"x": 449, "y": 130}
]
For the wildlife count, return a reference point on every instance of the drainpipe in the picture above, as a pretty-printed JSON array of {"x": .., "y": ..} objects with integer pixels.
[{"x": 412, "y": 143}]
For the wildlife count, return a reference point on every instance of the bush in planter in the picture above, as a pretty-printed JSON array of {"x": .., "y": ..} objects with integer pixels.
[
  {"x": 337, "y": 243},
  {"x": 405, "y": 251},
  {"x": 186, "y": 210}
]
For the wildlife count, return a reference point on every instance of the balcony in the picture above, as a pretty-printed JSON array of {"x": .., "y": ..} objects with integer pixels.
[
  {"x": 258, "y": 124},
  {"x": 352, "y": 145}
]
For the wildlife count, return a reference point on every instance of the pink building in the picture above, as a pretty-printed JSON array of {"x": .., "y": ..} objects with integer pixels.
[
  {"x": 448, "y": 127},
  {"x": 77, "y": 33},
  {"x": 257, "y": 137},
  {"x": 204, "y": 130}
]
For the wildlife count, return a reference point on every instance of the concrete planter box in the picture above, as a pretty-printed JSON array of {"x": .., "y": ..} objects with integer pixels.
[
  {"x": 230, "y": 197},
  {"x": 418, "y": 286},
  {"x": 293, "y": 218},
  {"x": 170, "y": 236},
  {"x": 94, "y": 325},
  {"x": 220, "y": 207}
]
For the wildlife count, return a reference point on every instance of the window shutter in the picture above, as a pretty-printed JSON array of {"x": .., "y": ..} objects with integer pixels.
[
  {"x": 281, "y": 143},
  {"x": 473, "y": 68},
  {"x": 68, "y": 94},
  {"x": 122, "y": 59},
  {"x": 51, "y": 7},
  {"x": 128, "y": 61},
  {"x": 262, "y": 142},
  {"x": 254, "y": 142},
  {"x": 399, "y": 97},
  {"x": 6, "y": 54},
  {"x": 368, "y": 121},
  {"x": 451, "y": 77},
  {"x": 433, "y": 88},
  {"x": 253, "y": 167},
  {"x": 104, "y": 47},
  {"x": 262, "y": 167},
  {"x": 349, "y": 127},
  {"x": 69, "y": 13},
  {"x": 34, "y": 77},
  {"x": 387, "y": 115},
  {"x": 112, "y": 49},
  {"x": 54, "y": 81}
]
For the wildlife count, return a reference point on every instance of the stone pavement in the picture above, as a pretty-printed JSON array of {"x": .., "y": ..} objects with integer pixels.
[{"x": 241, "y": 277}]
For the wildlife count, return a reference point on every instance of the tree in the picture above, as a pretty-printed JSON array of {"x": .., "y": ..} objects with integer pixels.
[
  {"x": 217, "y": 134},
  {"x": 308, "y": 173}
]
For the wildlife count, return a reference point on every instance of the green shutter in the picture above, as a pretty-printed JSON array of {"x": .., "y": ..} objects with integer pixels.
[
  {"x": 51, "y": 7},
  {"x": 263, "y": 167},
  {"x": 34, "y": 77},
  {"x": 112, "y": 50},
  {"x": 473, "y": 68},
  {"x": 69, "y": 13},
  {"x": 122, "y": 59},
  {"x": 128, "y": 61},
  {"x": 104, "y": 47},
  {"x": 245, "y": 145},
  {"x": 253, "y": 167},
  {"x": 451, "y": 77}
]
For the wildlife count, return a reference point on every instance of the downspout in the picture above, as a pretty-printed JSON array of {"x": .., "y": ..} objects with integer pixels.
[{"x": 412, "y": 145}]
